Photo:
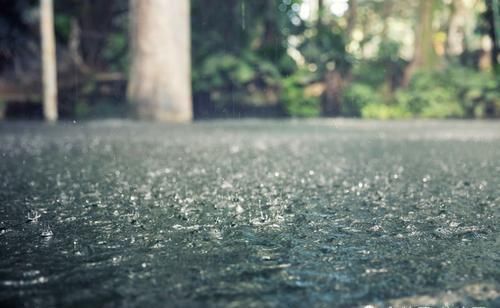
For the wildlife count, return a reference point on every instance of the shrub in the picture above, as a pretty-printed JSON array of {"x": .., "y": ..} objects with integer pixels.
[
  {"x": 296, "y": 100},
  {"x": 478, "y": 92},
  {"x": 430, "y": 102},
  {"x": 453, "y": 93},
  {"x": 356, "y": 97},
  {"x": 384, "y": 112},
  {"x": 228, "y": 78}
]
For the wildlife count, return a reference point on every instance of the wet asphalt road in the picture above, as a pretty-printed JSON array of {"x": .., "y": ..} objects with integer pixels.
[{"x": 250, "y": 213}]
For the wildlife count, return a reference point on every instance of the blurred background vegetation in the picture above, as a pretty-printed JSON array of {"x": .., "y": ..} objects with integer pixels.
[{"x": 299, "y": 58}]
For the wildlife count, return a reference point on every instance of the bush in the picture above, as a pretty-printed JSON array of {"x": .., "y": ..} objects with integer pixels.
[
  {"x": 385, "y": 69},
  {"x": 452, "y": 93},
  {"x": 456, "y": 92},
  {"x": 433, "y": 101},
  {"x": 384, "y": 112},
  {"x": 478, "y": 92},
  {"x": 296, "y": 100},
  {"x": 356, "y": 97},
  {"x": 228, "y": 78}
]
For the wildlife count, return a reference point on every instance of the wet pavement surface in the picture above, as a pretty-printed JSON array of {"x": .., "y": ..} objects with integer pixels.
[{"x": 250, "y": 213}]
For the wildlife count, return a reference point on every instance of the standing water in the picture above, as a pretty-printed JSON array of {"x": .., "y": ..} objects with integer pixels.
[{"x": 252, "y": 213}]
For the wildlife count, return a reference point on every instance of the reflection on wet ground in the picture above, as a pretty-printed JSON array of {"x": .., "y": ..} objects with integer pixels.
[{"x": 252, "y": 213}]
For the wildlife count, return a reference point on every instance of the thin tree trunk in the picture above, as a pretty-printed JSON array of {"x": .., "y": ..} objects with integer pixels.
[
  {"x": 160, "y": 81},
  {"x": 494, "y": 31},
  {"x": 386, "y": 13},
  {"x": 49, "y": 67},
  {"x": 351, "y": 18},
  {"x": 331, "y": 103},
  {"x": 334, "y": 79},
  {"x": 321, "y": 12},
  {"x": 456, "y": 28},
  {"x": 271, "y": 41},
  {"x": 424, "y": 55}
]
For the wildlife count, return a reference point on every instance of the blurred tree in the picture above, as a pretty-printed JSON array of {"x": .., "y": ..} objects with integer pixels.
[
  {"x": 491, "y": 26},
  {"x": 95, "y": 33},
  {"x": 352, "y": 17},
  {"x": 424, "y": 56},
  {"x": 262, "y": 57},
  {"x": 325, "y": 49},
  {"x": 385, "y": 14},
  {"x": 159, "y": 81},
  {"x": 456, "y": 28},
  {"x": 241, "y": 54}
]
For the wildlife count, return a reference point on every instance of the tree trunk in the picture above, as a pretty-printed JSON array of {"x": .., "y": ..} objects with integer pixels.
[
  {"x": 456, "y": 28},
  {"x": 272, "y": 41},
  {"x": 160, "y": 81},
  {"x": 49, "y": 68},
  {"x": 321, "y": 12},
  {"x": 386, "y": 14},
  {"x": 351, "y": 18},
  {"x": 493, "y": 19},
  {"x": 424, "y": 56},
  {"x": 331, "y": 103}
]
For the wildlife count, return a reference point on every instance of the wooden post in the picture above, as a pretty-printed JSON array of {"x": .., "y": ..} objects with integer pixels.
[{"x": 49, "y": 68}]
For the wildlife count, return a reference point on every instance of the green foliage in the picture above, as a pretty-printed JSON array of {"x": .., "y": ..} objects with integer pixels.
[
  {"x": 295, "y": 99},
  {"x": 240, "y": 55},
  {"x": 356, "y": 97},
  {"x": 386, "y": 68},
  {"x": 369, "y": 73},
  {"x": 82, "y": 109},
  {"x": 238, "y": 26},
  {"x": 226, "y": 70},
  {"x": 384, "y": 112},
  {"x": 240, "y": 50},
  {"x": 62, "y": 24},
  {"x": 426, "y": 97},
  {"x": 388, "y": 51},
  {"x": 115, "y": 51},
  {"x": 456, "y": 92},
  {"x": 478, "y": 92},
  {"x": 227, "y": 78},
  {"x": 100, "y": 107},
  {"x": 325, "y": 48},
  {"x": 452, "y": 93},
  {"x": 222, "y": 70}
]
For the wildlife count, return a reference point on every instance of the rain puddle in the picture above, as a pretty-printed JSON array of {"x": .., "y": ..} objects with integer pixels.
[{"x": 250, "y": 213}]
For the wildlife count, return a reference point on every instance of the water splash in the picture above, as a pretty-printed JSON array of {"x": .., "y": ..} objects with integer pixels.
[
  {"x": 33, "y": 216},
  {"x": 46, "y": 231}
]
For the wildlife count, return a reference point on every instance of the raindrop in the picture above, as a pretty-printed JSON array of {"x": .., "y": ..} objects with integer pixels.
[
  {"x": 376, "y": 228},
  {"x": 46, "y": 231},
  {"x": 33, "y": 216},
  {"x": 234, "y": 149},
  {"x": 226, "y": 185}
]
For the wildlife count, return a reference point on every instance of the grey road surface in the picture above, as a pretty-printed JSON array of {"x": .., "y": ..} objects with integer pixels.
[{"x": 250, "y": 213}]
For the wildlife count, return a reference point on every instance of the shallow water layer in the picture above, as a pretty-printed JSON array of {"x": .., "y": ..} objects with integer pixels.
[{"x": 251, "y": 213}]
